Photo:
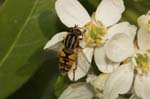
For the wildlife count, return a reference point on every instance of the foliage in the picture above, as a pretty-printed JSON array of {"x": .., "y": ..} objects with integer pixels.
[{"x": 26, "y": 70}]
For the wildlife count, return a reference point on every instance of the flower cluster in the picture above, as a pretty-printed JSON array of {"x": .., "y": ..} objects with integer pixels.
[{"x": 122, "y": 59}]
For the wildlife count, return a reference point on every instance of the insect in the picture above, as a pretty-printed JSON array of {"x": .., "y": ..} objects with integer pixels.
[{"x": 71, "y": 50}]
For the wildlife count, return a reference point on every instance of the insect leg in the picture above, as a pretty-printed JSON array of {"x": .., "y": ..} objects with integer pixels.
[
  {"x": 83, "y": 54},
  {"x": 76, "y": 64}
]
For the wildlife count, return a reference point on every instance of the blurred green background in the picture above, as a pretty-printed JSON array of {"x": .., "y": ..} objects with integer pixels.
[{"x": 26, "y": 70}]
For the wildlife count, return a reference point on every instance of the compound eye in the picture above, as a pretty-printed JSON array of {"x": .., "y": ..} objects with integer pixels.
[
  {"x": 70, "y": 30},
  {"x": 78, "y": 32}
]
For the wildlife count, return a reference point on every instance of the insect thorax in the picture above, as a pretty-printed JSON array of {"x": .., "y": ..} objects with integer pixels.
[{"x": 71, "y": 41}]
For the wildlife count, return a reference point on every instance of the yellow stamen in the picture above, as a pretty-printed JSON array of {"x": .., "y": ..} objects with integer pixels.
[
  {"x": 93, "y": 28},
  {"x": 88, "y": 39},
  {"x": 94, "y": 32},
  {"x": 98, "y": 41},
  {"x": 144, "y": 65}
]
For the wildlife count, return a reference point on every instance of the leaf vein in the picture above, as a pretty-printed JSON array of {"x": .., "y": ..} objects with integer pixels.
[
  {"x": 19, "y": 34},
  {"x": 29, "y": 44}
]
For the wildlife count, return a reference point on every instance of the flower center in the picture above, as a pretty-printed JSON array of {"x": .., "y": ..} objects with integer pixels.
[
  {"x": 94, "y": 33},
  {"x": 142, "y": 61}
]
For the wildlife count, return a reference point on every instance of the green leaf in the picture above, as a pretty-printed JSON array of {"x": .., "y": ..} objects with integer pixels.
[
  {"x": 1, "y": 2},
  {"x": 41, "y": 85},
  {"x": 131, "y": 16},
  {"x": 25, "y": 27}
]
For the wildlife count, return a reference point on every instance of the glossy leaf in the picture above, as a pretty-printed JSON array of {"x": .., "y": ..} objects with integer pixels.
[
  {"x": 25, "y": 26},
  {"x": 41, "y": 85}
]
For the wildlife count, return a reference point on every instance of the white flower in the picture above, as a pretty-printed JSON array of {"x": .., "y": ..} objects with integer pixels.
[
  {"x": 144, "y": 31},
  {"x": 98, "y": 85},
  {"x": 144, "y": 21},
  {"x": 135, "y": 69},
  {"x": 100, "y": 28},
  {"x": 93, "y": 89},
  {"x": 79, "y": 90}
]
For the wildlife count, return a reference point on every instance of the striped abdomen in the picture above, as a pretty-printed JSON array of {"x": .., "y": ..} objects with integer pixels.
[{"x": 66, "y": 60}]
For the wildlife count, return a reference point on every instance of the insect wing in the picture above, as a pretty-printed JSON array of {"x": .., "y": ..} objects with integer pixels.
[
  {"x": 83, "y": 61},
  {"x": 58, "y": 47},
  {"x": 81, "y": 66},
  {"x": 56, "y": 42}
]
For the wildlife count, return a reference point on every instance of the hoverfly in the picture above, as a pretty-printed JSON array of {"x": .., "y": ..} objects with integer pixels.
[
  {"x": 71, "y": 51},
  {"x": 71, "y": 54}
]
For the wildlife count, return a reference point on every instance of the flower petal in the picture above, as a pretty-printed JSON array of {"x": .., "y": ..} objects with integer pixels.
[
  {"x": 103, "y": 63},
  {"x": 134, "y": 97},
  {"x": 109, "y": 11},
  {"x": 143, "y": 21},
  {"x": 142, "y": 86},
  {"x": 83, "y": 64},
  {"x": 88, "y": 52},
  {"x": 72, "y": 13},
  {"x": 143, "y": 39},
  {"x": 78, "y": 91},
  {"x": 123, "y": 27},
  {"x": 119, "y": 82},
  {"x": 90, "y": 78},
  {"x": 98, "y": 84},
  {"x": 119, "y": 47},
  {"x": 57, "y": 38}
]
